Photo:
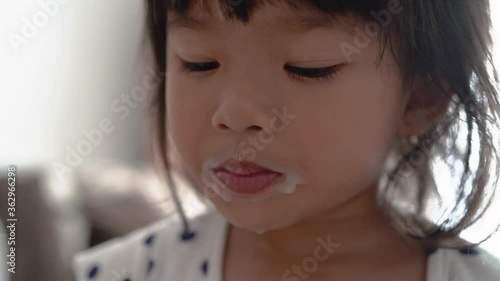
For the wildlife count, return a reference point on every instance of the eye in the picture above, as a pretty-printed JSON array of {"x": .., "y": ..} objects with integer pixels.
[
  {"x": 297, "y": 73},
  {"x": 304, "y": 74},
  {"x": 189, "y": 67}
]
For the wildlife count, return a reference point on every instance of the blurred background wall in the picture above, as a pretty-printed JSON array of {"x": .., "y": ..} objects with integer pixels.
[
  {"x": 74, "y": 123},
  {"x": 75, "y": 79},
  {"x": 65, "y": 76}
]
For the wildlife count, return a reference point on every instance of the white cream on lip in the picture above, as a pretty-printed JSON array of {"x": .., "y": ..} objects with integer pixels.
[{"x": 289, "y": 186}]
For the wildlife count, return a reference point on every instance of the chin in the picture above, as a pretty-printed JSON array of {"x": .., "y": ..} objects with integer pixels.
[{"x": 258, "y": 218}]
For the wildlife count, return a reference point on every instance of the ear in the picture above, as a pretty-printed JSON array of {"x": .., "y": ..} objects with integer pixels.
[{"x": 423, "y": 106}]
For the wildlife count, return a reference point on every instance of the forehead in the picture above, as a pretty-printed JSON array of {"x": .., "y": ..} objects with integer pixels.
[{"x": 277, "y": 17}]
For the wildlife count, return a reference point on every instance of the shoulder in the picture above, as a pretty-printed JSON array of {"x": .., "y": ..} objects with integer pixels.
[
  {"x": 465, "y": 265},
  {"x": 143, "y": 252}
]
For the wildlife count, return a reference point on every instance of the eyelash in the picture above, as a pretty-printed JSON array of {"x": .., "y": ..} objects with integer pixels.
[
  {"x": 296, "y": 73},
  {"x": 319, "y": 74},
  {"x": 189, "y": 67}
]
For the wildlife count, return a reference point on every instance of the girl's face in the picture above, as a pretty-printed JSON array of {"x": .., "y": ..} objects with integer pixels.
[{"x": 334, "y": 131}]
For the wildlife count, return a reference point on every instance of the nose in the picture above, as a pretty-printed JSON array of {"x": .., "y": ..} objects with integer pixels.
[{"x": 240, "y": 115}]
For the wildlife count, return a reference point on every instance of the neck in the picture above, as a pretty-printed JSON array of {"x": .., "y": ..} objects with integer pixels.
[{"x": 354, "y": 234}]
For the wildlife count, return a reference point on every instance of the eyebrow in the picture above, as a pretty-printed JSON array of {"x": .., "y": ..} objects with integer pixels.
[{"x": 297, "y": 24}]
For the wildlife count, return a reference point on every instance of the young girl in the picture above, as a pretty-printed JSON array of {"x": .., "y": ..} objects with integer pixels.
[{"x": 335, "y": 140}]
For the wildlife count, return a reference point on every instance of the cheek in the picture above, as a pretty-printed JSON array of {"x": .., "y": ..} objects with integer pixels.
[
  {"x": 186, "y": 118},
  {"x": 348, "y": 138}
]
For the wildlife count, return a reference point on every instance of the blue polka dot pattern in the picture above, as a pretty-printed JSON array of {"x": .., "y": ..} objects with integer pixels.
[
  {"x": 151, "y": 264},
  {"x": 149, "y": 240},
  {"x": 204, "y": 267},
  {"x": 93, "y": 272},
  {"x": 469, "y": 251},
  {"x": 186, "y": 236}
]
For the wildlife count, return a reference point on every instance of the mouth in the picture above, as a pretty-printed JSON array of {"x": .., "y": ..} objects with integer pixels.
[{"x": 246, "y": 177}]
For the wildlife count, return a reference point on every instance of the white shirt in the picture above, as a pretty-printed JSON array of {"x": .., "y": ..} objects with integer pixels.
[{"x": 158, "y": 253}]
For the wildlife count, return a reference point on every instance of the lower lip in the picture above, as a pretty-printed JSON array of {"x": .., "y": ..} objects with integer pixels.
[{"x": 248, "y": 184}]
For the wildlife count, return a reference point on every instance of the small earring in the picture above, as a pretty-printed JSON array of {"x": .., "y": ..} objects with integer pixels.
[
  {"x": 410, "y": 140},
  {"x": 413, "y": 140},
  {"x": 408, "y": 143}
]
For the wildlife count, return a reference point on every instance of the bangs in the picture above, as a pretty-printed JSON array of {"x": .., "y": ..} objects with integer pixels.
[{"x": 242, "y": 10}]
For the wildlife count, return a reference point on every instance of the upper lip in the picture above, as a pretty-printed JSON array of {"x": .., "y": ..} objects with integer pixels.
[{"x": 242, "y": 167}]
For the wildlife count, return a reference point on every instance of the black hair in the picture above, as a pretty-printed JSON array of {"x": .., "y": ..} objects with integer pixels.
[{"x": 444, "y": 46}]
